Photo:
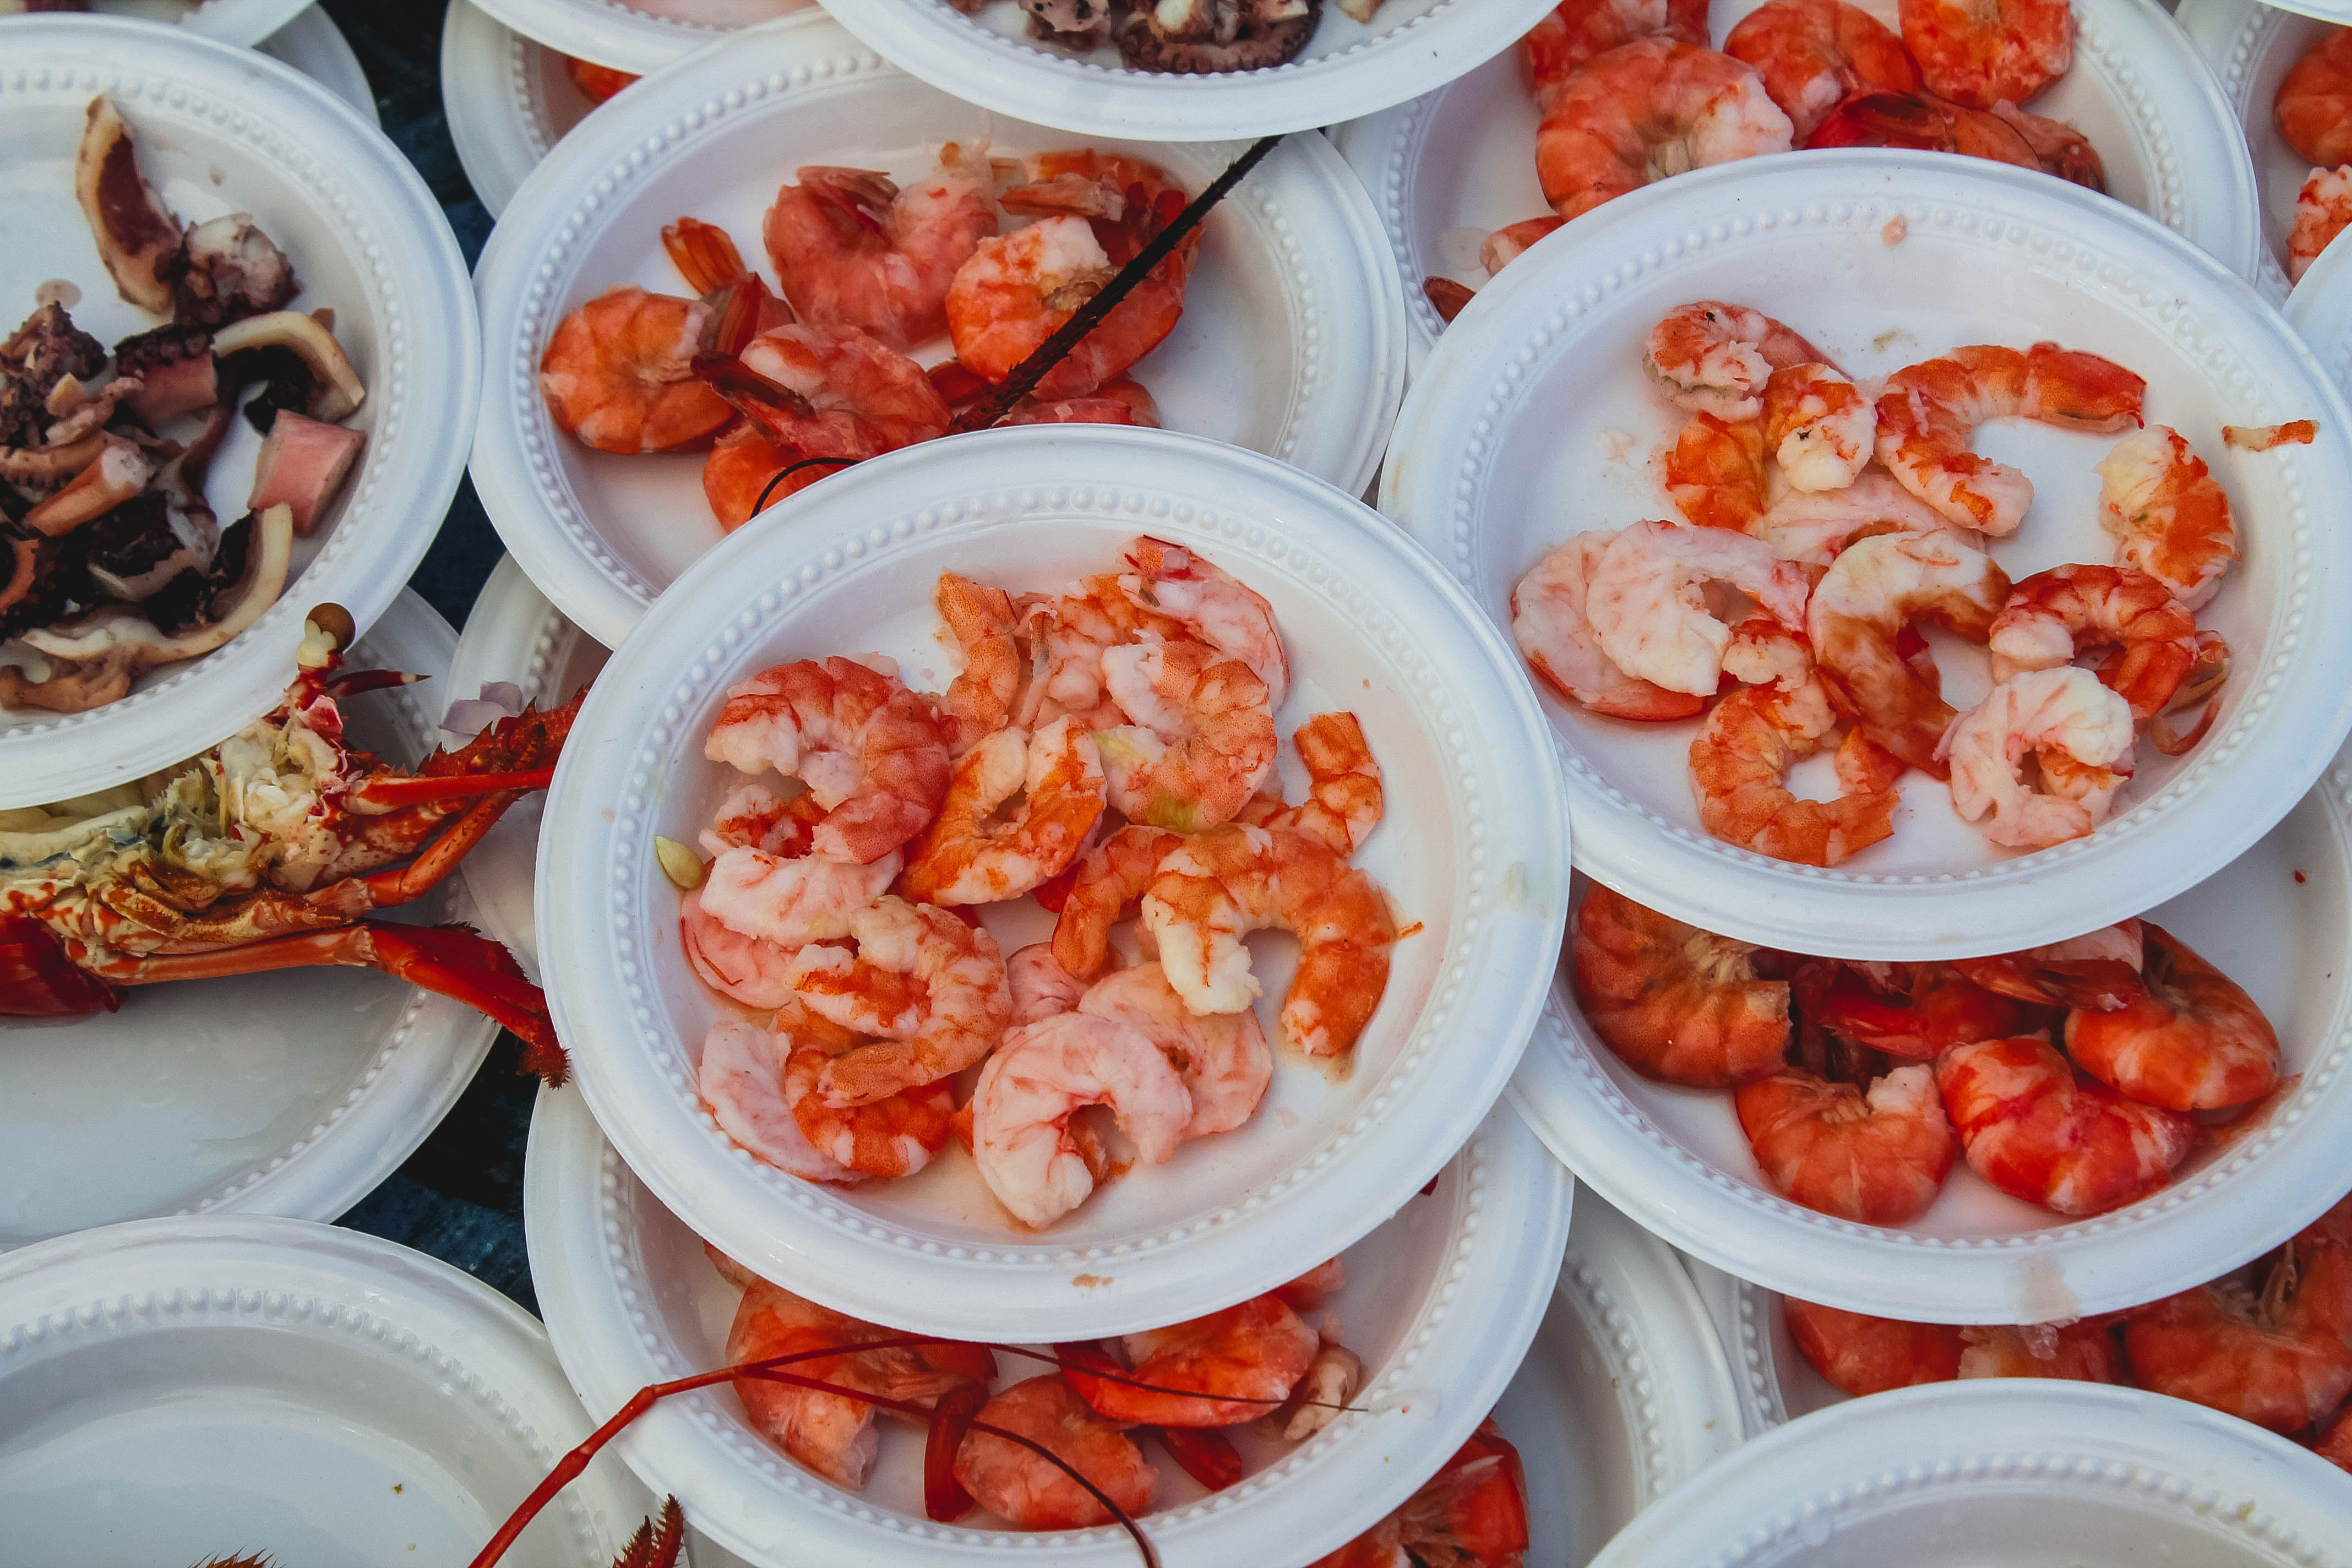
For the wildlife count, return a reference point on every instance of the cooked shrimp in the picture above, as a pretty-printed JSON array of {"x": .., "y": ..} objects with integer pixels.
[
  {"x": 1549, "y": 623},
  {"x": 1110, "y": 876},
  {"x": 783, "y": 904},
  {"x": 1167, "y": 580},
  {"x": 932, "y": 987},
  {"x": 2058, "y": 147},
  {"x": 1505, "y": 246},
  {"x": 1860, "y": 1354},
  {"x": 1927, "y": 124},
  {"x": 2069, "y": 1353},
  {"x": 1979, "y": 52},
  {"x": 1916, "y": 1011},
  {"x": 1712, "y": 358},
  {"x": 1206, "y": 741},
  {"x": 1672, "y": 1001},
  {"x": 1318, "y": 1398},
  {"x": 746, "y": 472},
  {"x": 829, "y": 392},
  {"x": 740, "y": 1081},
  {"x": 1927, "y": 412},
  {"x": 852, "y": 249},
  {"x": 1875, "y": 1156},
  {"x": 2322, "y": 209},
  {"x": 1042, "y": 1075},
  {"x": 2193, "y": 1041},
  {"x": 1343, "y": 800},
  {"x": 746, "y": 968},
  {"x": 1813, "y": 55},
  {"x": 1120, "y": 401},
  {"x": 1222, "y": 1058},
  {"x": 2275, "y": 1350},
  {"x": 1714, "y": 472},
  {"x": 1030, "y": 1493},
  {"x": 1740, "y": 760},
  {"x": 2053, "y": 614},
  {"x": 2081, "y": 732},
  {"x": 2167, "y": 514},
  {"x": 2042, "y": 1133},
  {"x": 894, "y": 1136},
  {"x": 979, "y": 701},
  {"x": 1217, "y": 1371},
  {"x": 756, "y": 818},
  {"x": 983, "y": 848},
  {"x": 1873, "y": 588},
  {"x": 1576, "y": 30},
  {"x": 1096, "y": 212},
  {"x": 1218, "y": 886},
  {"x": 1039, "y": 985},
  {"x": 1819, "y": 426},
  {"x": 2097, "y": 972},
  {"x": 1647, "y": 110},
  {"x": 2314, "y": 106},
  {"x": 1647, "y": 604},
  {"x": 867, "y": 748},
  {"x": 833, "y": 1434},
  {"x": 1814, "y": 528},
  {"x": 1474, "y": 1511},
  {"x": 596, "y": 83},
  {"x": 618, "y": 374}
]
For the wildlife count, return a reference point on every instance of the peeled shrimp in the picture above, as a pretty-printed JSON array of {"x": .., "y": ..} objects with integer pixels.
[
  {"x": 1926, "y": 412},
  {"x": 753, "y": 1085},
  {"x": 1343, "y": 800},
  {"x": 1980, "y": 52},
  {"x": 740, "y": 1081},
  {"x": 1816, "y": 422},
  {"x": 1110, "y": 876},
  {"x": 1040, "y": 986},
  {"x": 1645, "y": 110},
  {"x": 979, "y": 701},
  {"x": 2322, "y": 209},
  {"x": 2193, "y": 1041},
  {"x": 1216, "y": 1370},
  {"x": 2097, "y": 972},
  {"x": 981, "y": 848},
  {"x": 1120, "y": 401},
  {"x": 932, "y": 987},
  {"x": 1576, "y": 30},
  {"x": 1877, "y": 1156},
  {"x": 2314, "y": 106},
  {"x": 1222, "y": 1058},
  {"x": 1715, "y": 474},
  {"x": 893, "y": 1136},
  {"x": 1740, "y": 758},
  {"x": 1549, "y": 623},
  {"x": 1813, "y": 530},
  {"x": 1043, "y": 1075},
  {"x": 1860, "y": 1354},
  {"x": 756, "y": 818},
  {"x": 853, "y": 249},
  {"x": 2053, "y": 614},
  {"x": 867, "y": 748},
  {"x": 746, "y": 968},
  {"x": 1499, "y": 249},
  {"x": 1672, "y": 1001},
  {"x": 618, "y": 374},
  {"x": 1028, "y": 1491},
  {"x": 2082, "y": 733},
  {"x": 1206, "y": 739},
  {"x": 2166, "y": 513},
  {"x": 1167, "y": 580},
  {"x": 2039, "y": 1130},
  {"x": 1873, "y": 588},
  {"x": 1218, "y": 886},
  {"x": 782, "y": 903},
  {"x": 1712, "y": 358},
  {"x": 1813, "y": 55},
  {"x": 1648, "y": 608}
]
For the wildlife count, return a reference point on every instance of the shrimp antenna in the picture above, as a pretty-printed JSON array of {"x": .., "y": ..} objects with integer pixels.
[{"x": 787, "y": 471}]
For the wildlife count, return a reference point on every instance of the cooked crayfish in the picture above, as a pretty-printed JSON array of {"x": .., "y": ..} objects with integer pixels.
[{"x": 267, "y": 852}]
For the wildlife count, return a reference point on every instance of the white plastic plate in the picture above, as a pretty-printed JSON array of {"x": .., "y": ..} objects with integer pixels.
[
  {"x": 1449, "y": 168},
  {"x": 2250, "y": 47},
  {"x": 2321, "y": 309},
  {"x": 1292, "y": 342},
  {"x": 509, "y": 99},
  {"x": 237, "y": 21},
  {"x": 1748, "y": 1325},
  {"x": 1534, "y": 421},
  {"x": 1475, "y": 850},
  {"x": 1347, "y": 69},
  {"x": 1954, "y": 1475},
  {"x": 184, "y": 1388},
  {"x": 288, "y": 1094},
  {"x": 2278, "y": 920},
  {"x": 223, "y": 129},
  {"x": 638, "y": 37},
  {"x": 313, "y": 44},
  {"x": 1441, "y": 1302}
]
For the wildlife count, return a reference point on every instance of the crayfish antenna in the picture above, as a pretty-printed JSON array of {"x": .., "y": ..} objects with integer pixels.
[{"x": 656, "y": 1547}]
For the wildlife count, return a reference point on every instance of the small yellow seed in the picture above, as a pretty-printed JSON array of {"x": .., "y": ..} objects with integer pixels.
[{"x": 678, "y": 863}]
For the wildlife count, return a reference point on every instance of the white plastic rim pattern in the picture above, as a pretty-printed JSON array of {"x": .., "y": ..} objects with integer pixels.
[
  {"x": 236, "y": 22},
  {"x": 1530, "y": 421},
  {"x": 1370, "y": 623},
  {"x": 416, "y": 1370},
  {"x": 2250, "y": 47},
  {"x": 2321, "y": 309},
  {"x": 358, "y": 210},
  {"x": 1472, "y": 1279},
  {"x": 2000, "y": 1471},
  {"x": 1293, "y": 340},
  {"x": 313, "y": 44},
  {"x": 1346, "y": 69},
  {"x": 1745, "y": 1318},
  {"x": 639, "y": 37},
  {"x": 507, "y": 100},
  {"x": 1447, "y": 168}
]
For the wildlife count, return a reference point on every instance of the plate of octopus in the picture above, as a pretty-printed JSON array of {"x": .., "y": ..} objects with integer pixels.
[
  {"x": 215, "y": 230},
  {"x": 715, "y": 937},
  {"x": 657, "y": 392},
  {"x": 2145, "y": 426},
  {"x": 1273, "y": 1429},
  {"x": 1187, "y": 70},
  {"x": 1605, "y": 95}
]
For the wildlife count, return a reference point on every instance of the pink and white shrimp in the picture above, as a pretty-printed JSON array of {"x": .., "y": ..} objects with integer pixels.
[
  {"x": 1871, "y": 592},
  {"x": 985, "y": 847},
  {"x": 853, "y": 249},
  {"x": 1220, "y": 610},
  {"x": 2322, "y": 210},
  {"x": 1710, "y": 357},
  {"x": 2081, "y": 732},
  {"x": 1648, "y": 607},
  {"x": 1223, "y": 1058},
  {"x": 1549, "y": 623},
  {"x": 930, "y": 987},
  {"x": 1042, "y": 1075},
  {"x": 2166, "y": 513}
]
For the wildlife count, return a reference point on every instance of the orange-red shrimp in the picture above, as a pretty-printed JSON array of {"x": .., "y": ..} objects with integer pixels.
[
  {"x": 2097, "y": 972},
  {"x": 740, "y": 1081},
  {"x": 2275, "y": 1350},
  {"x": 1645, "y": 110},
  {"x": 1030, "y": 1493},
  {"x": 2058, "y": 147},
  {"x": 1222, "y": 1058},
  {"x": 2314, "y": 106},
  {"x": 1860, "y": 1354},
  {"x": 979, "y": 701},
  {"x": 1916, "y": 1011},
  {"x": 2335, "y": 1444},
  {"x": 1576, "y": 30},
  {"x": 2052, "y": 615},
  {"x": 2080, "y": 732},
  {"x": 854, "y": 250},
  {"x": 2192, "y": 1041},
  {"x": 1815, "y": 423},
  {"x": 2069, "y": 1353},
  {"x": 2322, "y": 209},
  {"x": 1928, "y": 411},
  {"x": 1094, "y": 212},
  {"x": 1505, "y": 246},
  {"x": 1110, "y": 877},
  {"x": 747, "y": 969},
  {"x": 1741, "y": 759},
  {"x": 1206, "y": 739},
  {"x": 1043, "y": 1075},
  {"x": 1216, "y": 1370},
  {"x": 1216, "y": 887},
  {"x": 2041, "y": 1131},
  {"x": 831, "y": 392},
  {"x": 1813, "y": 55},
  {"x": 1714, "y": 472},
  {"x": 1709, "y": 357},
  {"x": 618, "y": 374},
  {"x": 1672, "y": 1001},
  {"x": 1344, "y": 800},
  {"x": 1165, "y": 580},
  {"x": 596, "y": 83},
  {"x": 1550, "y": 625},
  {"x": 931, "y": 986},
  {"x": 747, "y": 470},
  {"x": 754, "y": 817},
  {"x": 1314, "y": 1289},
  {"x": 2166, "y": 513},
  {"x": 983, "y": 846},
  {"x": 1859, "y": 608},
  {"x": 1875, "y": 1155},
  {"x": 1925, "y": 123},
  {"x": 756, "y": 1083},
  {"x": 1120, "y": 401},
  {"x": 1647, "y": 605},
  {"x": 1979, "y": 52}
]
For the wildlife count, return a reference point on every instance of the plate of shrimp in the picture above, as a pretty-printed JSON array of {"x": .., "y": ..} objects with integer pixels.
[
  {"x": 1390, "y": 1034},
  {"x": 1518, "y": 440},
  {"x": 608, "y": 460},
  {"x": 2104, "y": 93}
]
